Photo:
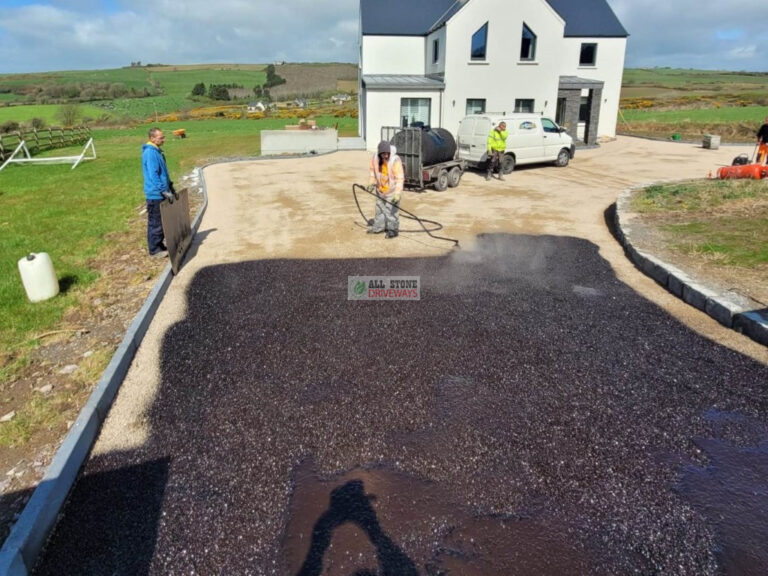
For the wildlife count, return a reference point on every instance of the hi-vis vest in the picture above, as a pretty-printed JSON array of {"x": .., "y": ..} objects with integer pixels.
[
  {"x": 497, "y": 140},
  {"x": 391, "y": 178}
]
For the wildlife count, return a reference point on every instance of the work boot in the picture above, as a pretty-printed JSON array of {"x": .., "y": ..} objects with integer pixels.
[
  {"x": 501, "y": 176},
  {"x": 391, "y": 234}
]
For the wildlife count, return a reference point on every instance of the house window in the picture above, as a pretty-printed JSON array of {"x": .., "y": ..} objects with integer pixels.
[
  {"x": 415, "y": 110},
  {"x": 435, "y": 50},
  {"x": 588, "y": 55},
  {"x": 475, "y": 106},
  {"x": 528, "y": 45},
  {"x": 524, "y": 105},
  {"x": 479, "y": 43}
]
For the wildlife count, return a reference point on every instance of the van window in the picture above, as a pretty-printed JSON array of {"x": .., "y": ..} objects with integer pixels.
[
  {"x": 467, "y": 126},
  {"x": 549, "y": 126},
  {"x": 483, "y": 127}
]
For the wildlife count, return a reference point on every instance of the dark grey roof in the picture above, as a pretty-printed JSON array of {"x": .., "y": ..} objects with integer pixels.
[
  {"x": 588, "y": 18},
  {"x": 583, "y": 18},
  {"x": 576, "y": 82},
  {"x": 403, "y": 17},
  {"x": 401, "y": 82}
]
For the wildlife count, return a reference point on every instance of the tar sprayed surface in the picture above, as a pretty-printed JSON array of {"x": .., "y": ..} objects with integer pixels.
[{"x": 531, "y": 414}]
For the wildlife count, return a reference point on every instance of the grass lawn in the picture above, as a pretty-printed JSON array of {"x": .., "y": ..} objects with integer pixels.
[
  {"x": 68, "y": 213},
  {"x": 722, "y": 221}
]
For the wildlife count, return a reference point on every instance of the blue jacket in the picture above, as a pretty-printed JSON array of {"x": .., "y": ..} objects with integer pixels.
[{"x": 156, "y": 179}]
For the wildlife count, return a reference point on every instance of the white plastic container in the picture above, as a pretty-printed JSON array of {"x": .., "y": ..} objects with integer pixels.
[{"x": 38, "y": 277}]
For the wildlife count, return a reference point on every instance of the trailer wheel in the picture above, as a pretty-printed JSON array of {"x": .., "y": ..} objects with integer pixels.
[
  {"x": 507, "y": 163},
  {"x": 442, "y": 180},
  {"x": 454, "y": 176}
]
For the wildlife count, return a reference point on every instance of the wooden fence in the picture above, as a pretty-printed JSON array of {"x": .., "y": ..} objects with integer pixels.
[{"x": 45, "y": 139}]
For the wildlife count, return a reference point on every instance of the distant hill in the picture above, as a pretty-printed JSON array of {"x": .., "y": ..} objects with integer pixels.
[{"x": 140, "y": 91}]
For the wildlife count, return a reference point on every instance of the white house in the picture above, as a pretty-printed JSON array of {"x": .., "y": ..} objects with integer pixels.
[{"x": 435, "y": 61}]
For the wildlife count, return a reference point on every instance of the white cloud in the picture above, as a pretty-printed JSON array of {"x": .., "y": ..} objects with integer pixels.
[
  {"x": 695, "y": 33},
  {"x": 69, "y": 34}
]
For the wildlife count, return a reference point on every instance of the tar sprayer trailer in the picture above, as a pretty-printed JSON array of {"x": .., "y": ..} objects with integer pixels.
[{"x": 428, "y": 155}]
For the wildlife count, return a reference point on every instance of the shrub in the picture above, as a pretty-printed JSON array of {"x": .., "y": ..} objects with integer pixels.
[
  {"x": 9, "y": 126},
  {"x": 68, "y": 114},
  {"x": 38, "y": 123}
]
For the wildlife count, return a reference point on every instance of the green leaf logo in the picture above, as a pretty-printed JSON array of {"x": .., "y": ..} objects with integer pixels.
[{"x": 359, "y": 288}]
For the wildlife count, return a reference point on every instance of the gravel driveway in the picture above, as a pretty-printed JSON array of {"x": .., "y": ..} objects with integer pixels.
[{"x": 544, "y": 408}]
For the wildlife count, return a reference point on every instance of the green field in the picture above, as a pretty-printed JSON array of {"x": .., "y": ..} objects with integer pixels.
[
  {"x": 683, "y": 79},
  {"x": 48, "y": 112},
  {"x": 751, "y": 114},
  {"x": 180, "y": 82},
  {"x": 660, "y": 102},
  {"x": 68, "y": 213}
]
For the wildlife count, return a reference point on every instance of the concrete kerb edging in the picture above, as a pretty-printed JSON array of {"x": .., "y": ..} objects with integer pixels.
[
  {"x": 730, "y": 310},
  {"x": 27, "y": 537}
]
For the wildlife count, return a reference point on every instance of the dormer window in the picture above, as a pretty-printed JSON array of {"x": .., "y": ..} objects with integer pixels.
[
  {"x": 479, "y": 43},
  {"x": 528, "y": 44}
]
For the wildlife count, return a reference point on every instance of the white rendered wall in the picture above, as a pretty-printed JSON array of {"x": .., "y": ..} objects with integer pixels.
[
  {"x": 502, "y": 77},
  {"x": 393, "y": 55},
  {"x": 439, "y": 66},
  {"x": 609, "y": 68},
  {"x": 383, "y": 109}
]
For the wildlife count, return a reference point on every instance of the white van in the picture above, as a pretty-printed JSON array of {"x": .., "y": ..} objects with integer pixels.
[{"x": 532, "y": 138}]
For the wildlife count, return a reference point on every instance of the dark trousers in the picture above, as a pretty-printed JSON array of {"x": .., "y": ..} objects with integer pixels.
[
  {"x": 155, "y": 235},
  {"x": 494, "y": 162}
]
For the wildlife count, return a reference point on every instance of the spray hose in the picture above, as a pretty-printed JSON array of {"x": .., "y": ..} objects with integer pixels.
[{"x": 409, "y": 215}]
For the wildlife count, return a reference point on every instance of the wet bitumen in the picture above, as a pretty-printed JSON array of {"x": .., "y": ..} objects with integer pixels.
[{"x": 530, "y": 414}]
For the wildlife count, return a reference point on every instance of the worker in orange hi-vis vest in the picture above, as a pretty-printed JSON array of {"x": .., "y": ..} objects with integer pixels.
[
  {"x": 762, "y": 143},
  {"x": 387, "y": 179}
]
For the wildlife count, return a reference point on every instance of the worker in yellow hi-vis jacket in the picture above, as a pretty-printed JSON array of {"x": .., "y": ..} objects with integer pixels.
[{"x": 497, "y": 144}]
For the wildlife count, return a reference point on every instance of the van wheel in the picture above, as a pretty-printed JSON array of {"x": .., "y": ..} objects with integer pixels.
[
  {"x": 507, "y": 163},
  {"x": 442, "y": 180},
  {"x": 562, "y": 158},
  {"x": 454, "y": 177}
]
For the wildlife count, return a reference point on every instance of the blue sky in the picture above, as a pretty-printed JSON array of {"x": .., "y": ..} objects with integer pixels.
[{"x": 42, "y": 35}]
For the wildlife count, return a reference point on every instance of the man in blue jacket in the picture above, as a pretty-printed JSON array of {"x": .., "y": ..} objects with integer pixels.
[{"x": 157, "y": 187}]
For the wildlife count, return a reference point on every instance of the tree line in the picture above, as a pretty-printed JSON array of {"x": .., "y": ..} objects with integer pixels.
[{"x": 52, "y": 93}]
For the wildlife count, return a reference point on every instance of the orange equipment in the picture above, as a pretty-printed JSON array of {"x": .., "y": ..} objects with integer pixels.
[{"x": 753, "y": 171}]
